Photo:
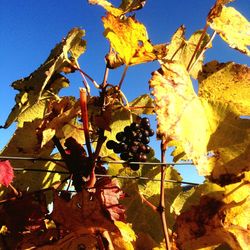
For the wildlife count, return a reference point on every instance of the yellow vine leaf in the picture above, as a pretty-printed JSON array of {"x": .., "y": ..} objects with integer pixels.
[
  {"x": 182, "y": 50},
  {"x": 20, "y": 146},
  {"x": 177, "y": 108},
  {"x": 220, "y": 216},
  {"x": 231, "y": 152},
  {"x": 233, "y": 28},
  {"x": 125, "y": 241},
  {"x": 228, "y": 83},
  {"x": 139, "y": 214},
  {"x": 216, "y": 139},
  {"x": 129, "y": 39}
]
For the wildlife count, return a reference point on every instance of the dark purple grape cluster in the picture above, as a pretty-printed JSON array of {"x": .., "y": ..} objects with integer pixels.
[{"x": 133, "y": 142}]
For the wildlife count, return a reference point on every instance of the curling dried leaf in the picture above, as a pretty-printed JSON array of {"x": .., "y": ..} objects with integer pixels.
[
  {"x": 85, "y": 212},
  {"x": 233, "y": 28},
  {"x": 107, "y": 6},
  {"x": 129, "y": 39},
  {"x": 125, "y": 7},
  {"x": 216, "y": 217},
  {"x": 60, "y": 113},
  {"x": 226, "y": 82},
  {"x": 40, "y": 83},
  {"x": 182, "y": 50},
  {"x": 132, "y": 5},
  {"x": 113, "y": 60},
  {"x": 176, "y": 106},
  {"x": 217, "y": 8}
]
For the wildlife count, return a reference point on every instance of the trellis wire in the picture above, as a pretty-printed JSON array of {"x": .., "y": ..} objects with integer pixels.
[
  {"x": 101, "y": 161},
  {"x": 100, "y": 175},
  {"x": 105, "y": 175}
]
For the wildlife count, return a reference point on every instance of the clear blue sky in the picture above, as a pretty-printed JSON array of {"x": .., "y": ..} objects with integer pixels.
[{"x": 29, "y": 29}]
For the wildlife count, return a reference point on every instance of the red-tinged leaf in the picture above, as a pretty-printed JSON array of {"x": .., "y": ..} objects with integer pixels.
[
  {"x": 6, "y": 173},
  {"x": 110, "y": 194},
  {"x": 83, "y": 211},
  {"x": 22, "y": 217}
]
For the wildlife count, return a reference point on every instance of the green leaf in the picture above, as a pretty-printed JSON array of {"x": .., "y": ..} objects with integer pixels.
[{"x": 44, "y": 80}]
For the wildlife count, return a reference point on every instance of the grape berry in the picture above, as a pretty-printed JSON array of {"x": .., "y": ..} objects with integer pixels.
[{"x": 132, "y": 142}]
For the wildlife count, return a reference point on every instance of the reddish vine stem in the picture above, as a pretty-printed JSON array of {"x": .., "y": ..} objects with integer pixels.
[
  {"x": 88, "y": 76},
  {"x": 85, "y": 119},
  {"x": 197, "y": 46},
  {"x": 161, "y": 207},
  {"x": 106, "y": 73}
]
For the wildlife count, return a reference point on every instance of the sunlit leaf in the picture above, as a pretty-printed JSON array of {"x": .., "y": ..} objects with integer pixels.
[
  {"x": 233, "y": 28},
  {"x": 217, "y": 128},
  {"x": 142, "y": 105},
  {"x": 216, "y": 217},
  {"x": 226, "y": 82},
  {"x": 128, "y": 236},
  {"x": 182, "y": 50},
  {"x": 129, "y": 39},
  {"x": 19, "y": 145},
  {"x": 176, "y": 106},
  {"x": 36, "y": 87},
  {"x": 142, "y": 217}
]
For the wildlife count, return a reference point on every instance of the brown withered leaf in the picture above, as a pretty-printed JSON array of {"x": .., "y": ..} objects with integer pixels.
[
  {"x": 82, "y": 211},
  {"x": 216, "y": 9}
]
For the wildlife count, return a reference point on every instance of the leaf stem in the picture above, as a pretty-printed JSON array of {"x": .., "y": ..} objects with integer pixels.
[
  {"x": 203, "y": 51},
  {"x": 161, "y": 207},
  {"x": 197, "y": 46},
  {"x": 123, "y": 76},
  {"x": 88, "y": 76}
]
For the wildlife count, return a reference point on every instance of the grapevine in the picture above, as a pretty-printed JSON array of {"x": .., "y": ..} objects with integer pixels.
[{"x": 88, "y": 177}]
